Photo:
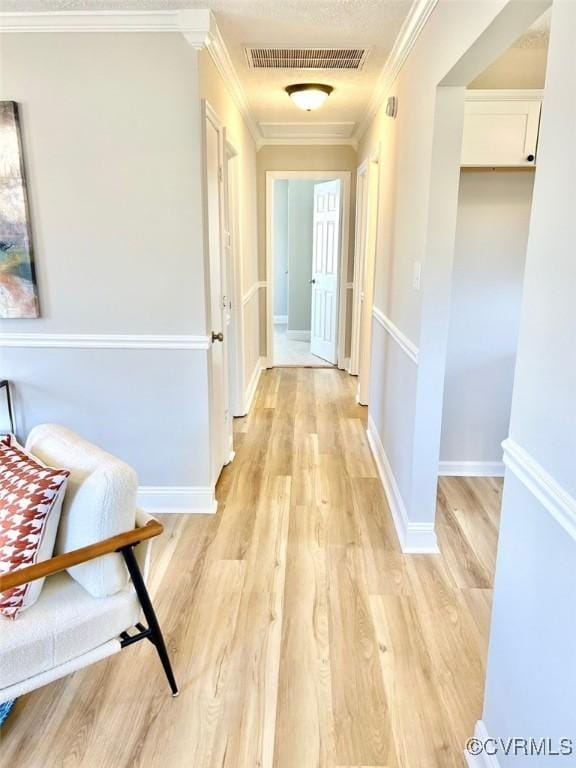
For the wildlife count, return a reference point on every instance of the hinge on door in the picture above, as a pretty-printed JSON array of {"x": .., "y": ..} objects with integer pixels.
[{"x": 220, "y": 173}]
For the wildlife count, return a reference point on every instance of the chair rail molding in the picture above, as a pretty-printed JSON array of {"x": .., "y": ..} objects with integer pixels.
[
  {"x": 253, "y": 290},
  {"x": 415, "y": 537},
  {"x": 553, "y": 497},
  {"x": 400, "y": 338},
  {"x": 103, "y": 341},
  {"x": 413, "y": 25}
]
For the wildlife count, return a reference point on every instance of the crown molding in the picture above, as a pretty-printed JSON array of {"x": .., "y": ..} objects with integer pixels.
[
  {"x": 413, "y": 25},
  {"x": 198, "y": 27},
  {"x": 311, "y": 141},
  {"x": 304, "y": 130},
  {"x": 193, "y": 24},
  {"x": 218, "y": 51}
]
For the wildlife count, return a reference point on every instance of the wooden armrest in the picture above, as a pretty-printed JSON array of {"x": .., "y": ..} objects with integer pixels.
[{"x": 76, "y": 556}]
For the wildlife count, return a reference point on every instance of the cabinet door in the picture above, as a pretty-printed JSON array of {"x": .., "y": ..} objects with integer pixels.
[{"x": 500, "y": 133}]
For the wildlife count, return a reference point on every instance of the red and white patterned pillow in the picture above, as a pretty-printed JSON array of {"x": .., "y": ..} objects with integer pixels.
[{"x": 31, "y": 496}]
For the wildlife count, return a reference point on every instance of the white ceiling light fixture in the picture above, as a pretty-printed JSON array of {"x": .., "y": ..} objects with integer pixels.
[{"x": 309, "y": 96}]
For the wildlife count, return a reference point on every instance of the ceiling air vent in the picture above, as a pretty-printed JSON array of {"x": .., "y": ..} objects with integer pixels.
[{"x": 306, "y": 58}]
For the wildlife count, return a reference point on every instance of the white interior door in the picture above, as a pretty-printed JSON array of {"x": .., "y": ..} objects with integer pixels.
[
  {"x": 221, "y": 423},
  {"x": 325, "y": 265}
]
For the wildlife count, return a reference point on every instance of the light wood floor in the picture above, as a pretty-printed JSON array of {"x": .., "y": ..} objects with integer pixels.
[{"x": 301, "y": 636}]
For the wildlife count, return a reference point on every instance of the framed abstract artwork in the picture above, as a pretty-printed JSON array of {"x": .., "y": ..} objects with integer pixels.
[{"x": 18, "y": 289}]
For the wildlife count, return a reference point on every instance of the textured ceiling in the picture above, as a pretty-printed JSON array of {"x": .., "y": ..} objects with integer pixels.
[
  {"x": 288, "y": 23},
  {"x": 538, "y": 35}
]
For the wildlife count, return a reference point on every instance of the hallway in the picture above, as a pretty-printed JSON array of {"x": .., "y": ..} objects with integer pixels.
[{"x": 301, "y": 636}]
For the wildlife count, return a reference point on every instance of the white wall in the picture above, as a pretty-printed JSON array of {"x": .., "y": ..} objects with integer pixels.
[
  {"x": 280, "y": 248},
  {"x": 523, "y": 68},
  {"x": 490, "y": 253},
  {"x": 111, "y": 130},
  {"x": 300, "y": 228},
  {"x": 532, "y": 659},
  {"x": 419, "y": 171}
]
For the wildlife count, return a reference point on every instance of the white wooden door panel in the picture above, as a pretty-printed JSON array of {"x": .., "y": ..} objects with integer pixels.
[
  {"x": 324, "y": 321},
  {"x": 220, "y": 427},
  {"x": 500, "y": 133}
]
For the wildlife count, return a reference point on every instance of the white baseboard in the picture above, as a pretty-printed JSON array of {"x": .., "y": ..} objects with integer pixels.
[
  {"x": 280, "y": 319},
  {"x": 298, "y": 335},
  {"x": 162, "y": 499},
  {"x": 253, "y": 384},
  {"x": 483, "y": 760},
  {"x": 471, "y": 468},
  {"x": 345, "y": 366},
  {"x": 415, "y": 538}
]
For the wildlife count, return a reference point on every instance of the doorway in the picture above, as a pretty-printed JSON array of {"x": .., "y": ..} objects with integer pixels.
[
  {"x": 367, "y": 190},
  {"x": 307, "y": 232},
  {"x": 224, "y": 322}
]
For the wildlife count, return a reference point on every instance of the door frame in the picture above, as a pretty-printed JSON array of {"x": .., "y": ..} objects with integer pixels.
[
  {"x": 235, "y": 319},
  {"x": 366, "y": 245},
  {"x": 345, "y": 179}
]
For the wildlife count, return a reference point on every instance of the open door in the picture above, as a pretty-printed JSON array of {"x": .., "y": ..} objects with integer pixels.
[
  {"x": 325, "y": 261},
  {"x": 220, "y": 420}
]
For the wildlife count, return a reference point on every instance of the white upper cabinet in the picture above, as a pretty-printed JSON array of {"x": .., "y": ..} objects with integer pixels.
[{"x": 500, "y": 131}]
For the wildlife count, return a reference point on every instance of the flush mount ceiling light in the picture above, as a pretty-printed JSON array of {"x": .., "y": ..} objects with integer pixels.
[{"x": 309, "y": 96}]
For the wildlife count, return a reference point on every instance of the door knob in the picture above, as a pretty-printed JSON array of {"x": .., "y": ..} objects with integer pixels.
[
  {"x": 312, "y": 281},
  {"x": 217, "y": 336},
  {"x": 530, "y": 158}
]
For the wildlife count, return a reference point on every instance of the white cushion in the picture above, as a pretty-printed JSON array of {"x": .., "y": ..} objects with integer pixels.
[
  {"x": 100, "y": 502},
  {"x": 64, "y": 623}
]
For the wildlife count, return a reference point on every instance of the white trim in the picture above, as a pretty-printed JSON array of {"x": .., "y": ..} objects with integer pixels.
[
  {"x": 298, "y": 335},
  {"x": 504, "y": 94},
  {"x": 306, "y": 130},
  {"x": 309, "y": 141},
  {"x": 471, "y": 469},
  {"x": 193, "y": 24},
  {"x": 185, "y": 499},
  {"x": 359, "y": 250},
  {"x": 252, "y": 291},
  {"x": 483, "y": 760},
  {"x": 415, "y": 538},
  {"x": 553, "y": 497},
  {"x": 235, "y": 319},
  {"x": 280, "y": 319},
  {"x": 253, "y": 384},
  {"x": 198, "y": 26},
  {"x": 414, "y": 22},
  {"x": 220, "y": 56},
  {"x": 322, "y": 175},
  {"x": 103, "y": 341},
  {"x": 401, "y": 339}
]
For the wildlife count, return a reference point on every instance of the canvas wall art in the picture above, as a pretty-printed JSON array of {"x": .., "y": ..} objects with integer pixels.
[{"x": 18, "y": 291}]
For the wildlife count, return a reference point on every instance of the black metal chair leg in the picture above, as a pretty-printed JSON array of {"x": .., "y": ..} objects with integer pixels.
[{"x": 155, "y": 635}]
